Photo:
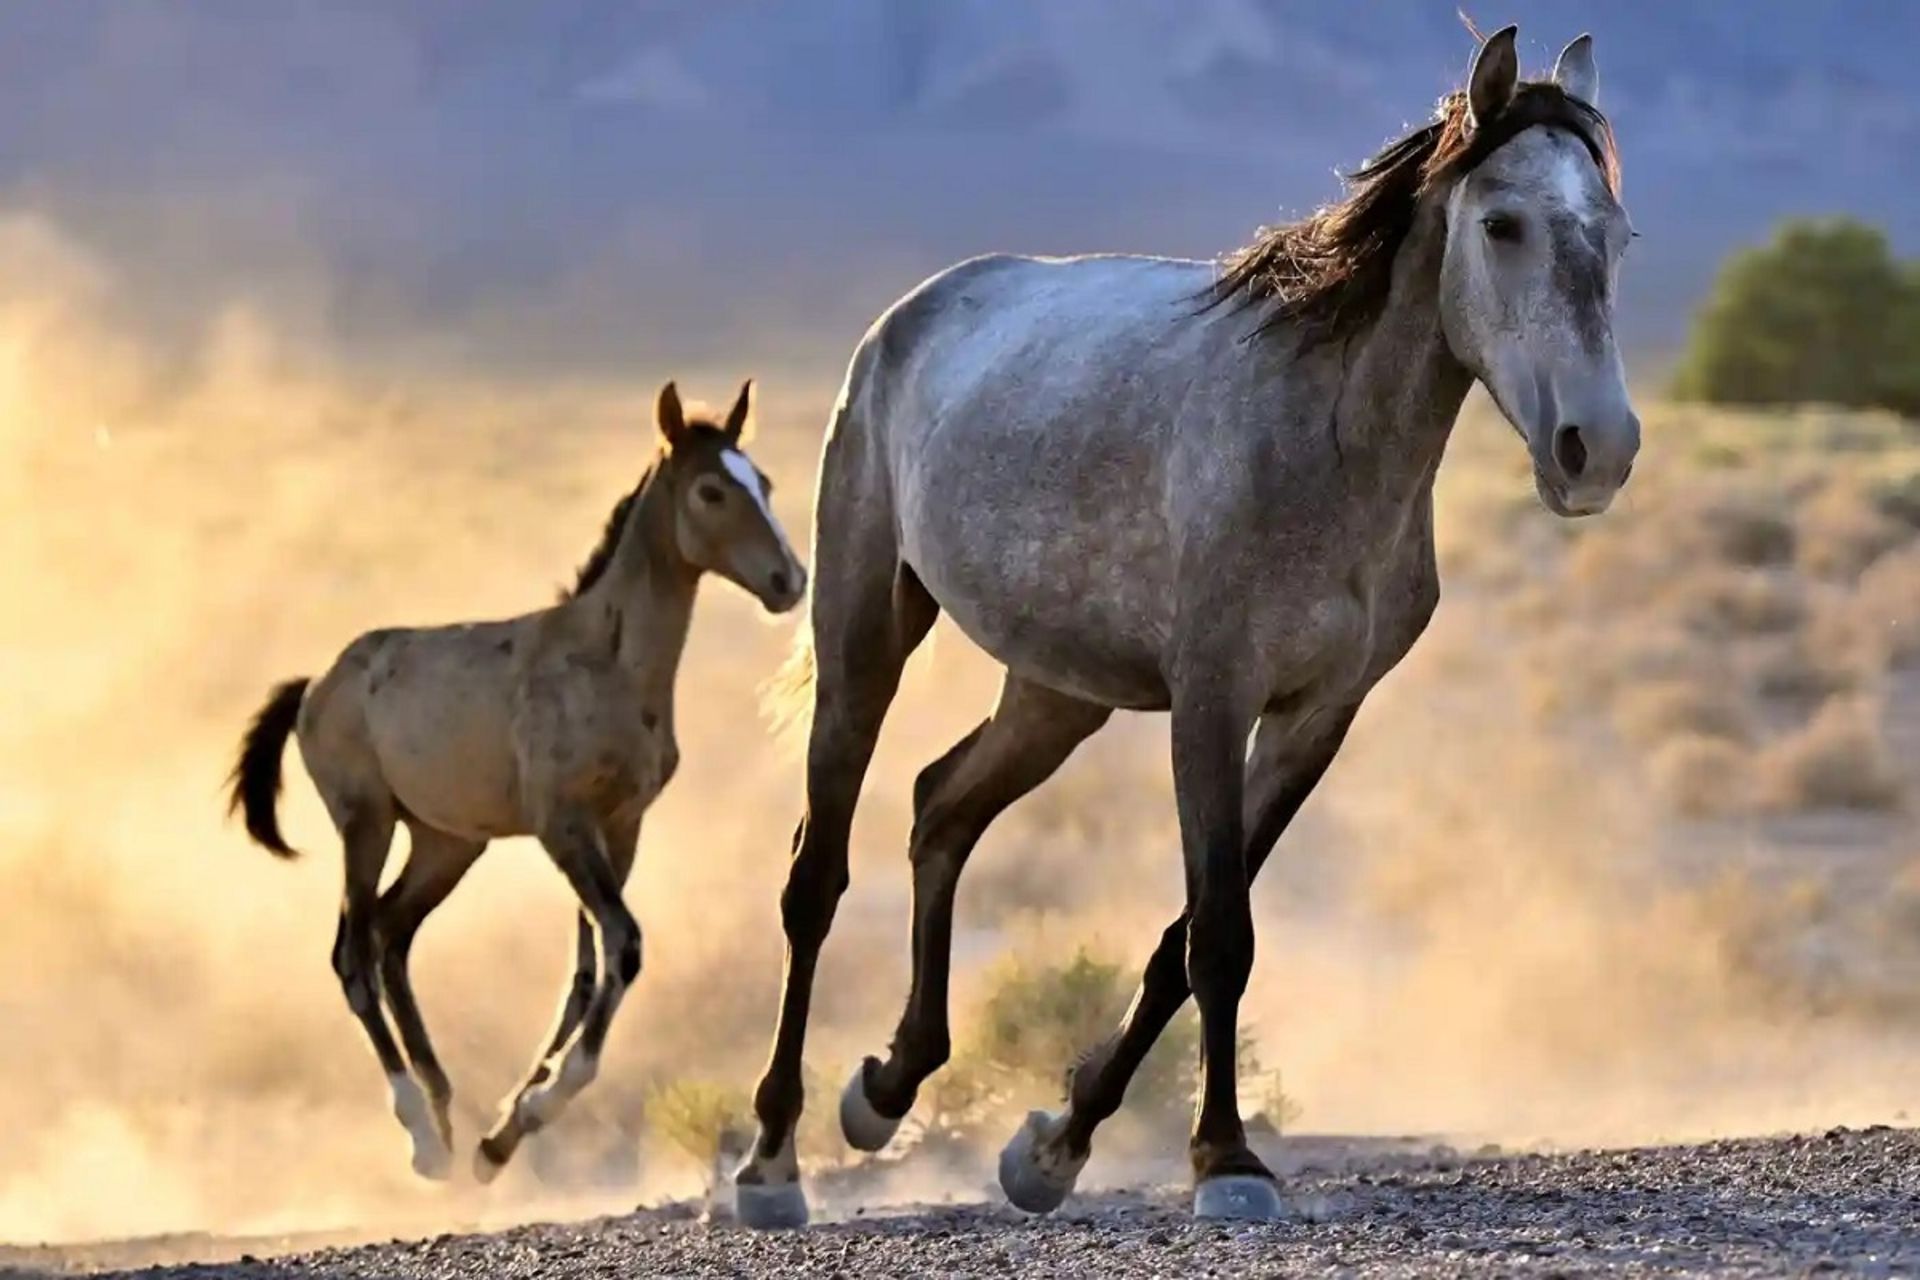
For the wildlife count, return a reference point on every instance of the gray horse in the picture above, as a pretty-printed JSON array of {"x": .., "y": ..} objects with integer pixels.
[
  {"x": 556, "y": 724},
  {"x": 1152, "y": 485}
]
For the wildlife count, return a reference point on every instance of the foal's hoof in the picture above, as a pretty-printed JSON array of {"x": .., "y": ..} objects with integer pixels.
[
  {"x": 1242, "y": 1197},
  {"x": 1033, "y": 1175},
  {"x": 770, "y": 1206},
  {"x": 866, "y": 1129}
]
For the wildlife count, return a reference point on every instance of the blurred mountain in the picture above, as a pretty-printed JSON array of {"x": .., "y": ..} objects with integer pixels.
[{"x": 579, "y": 185}]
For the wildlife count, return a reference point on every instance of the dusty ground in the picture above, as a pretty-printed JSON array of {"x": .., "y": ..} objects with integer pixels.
[{"x": 1847, "y": 1201}]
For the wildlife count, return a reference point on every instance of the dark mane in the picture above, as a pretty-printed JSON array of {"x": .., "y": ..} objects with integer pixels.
[{"x": 1330, "y": 272}]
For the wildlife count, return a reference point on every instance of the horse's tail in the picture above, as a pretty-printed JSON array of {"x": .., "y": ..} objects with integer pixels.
[
  {"x": 255, "y": 784},
  {"x": 786, "y": 698}
]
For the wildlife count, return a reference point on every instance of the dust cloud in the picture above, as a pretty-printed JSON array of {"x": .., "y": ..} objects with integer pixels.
[{"x": 1477, "y": 928}]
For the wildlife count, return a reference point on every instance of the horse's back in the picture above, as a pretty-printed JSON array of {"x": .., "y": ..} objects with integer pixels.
[
  {"x": 421, "y": 715},
  {"x": 1017, "y": 413}
]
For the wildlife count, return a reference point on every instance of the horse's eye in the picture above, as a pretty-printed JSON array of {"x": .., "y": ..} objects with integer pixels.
[
  {"x": 1503, "y": 227},
  {"x": 711, "y": 494}
]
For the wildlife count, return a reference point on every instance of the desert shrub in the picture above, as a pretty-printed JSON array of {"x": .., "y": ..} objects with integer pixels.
[
  {"x": 1838, "y": 760},
  {"x": 1701, "y": 776},
  {"x": 1885, "y": 607},
  {"x": 1754, "y": 530},
  {"x": 1032, "y": 1022},
  {"x": 1731, "y": 602},
  {"x": 1657, "y": 711},
  {"x": 1823, "y": 312},
  {"x": 698, "y": 1117},
  {"x": 1898, "y": 496},
  {"x": 1843, "y": 530},
  {"x": 1793, "y": 669}
]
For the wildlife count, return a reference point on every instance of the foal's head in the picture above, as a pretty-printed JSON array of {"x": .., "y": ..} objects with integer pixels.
[
  {"x": 722, "y": 518},
  {"x": 1535, "y": 233}
]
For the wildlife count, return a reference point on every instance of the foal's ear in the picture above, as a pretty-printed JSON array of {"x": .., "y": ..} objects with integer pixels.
[
  {"x": 1574, "y": 71},
  {"x": 740, "y": 416},
  {"x": 669, "y": 417},
  {"x": 1496, "y": 72}
]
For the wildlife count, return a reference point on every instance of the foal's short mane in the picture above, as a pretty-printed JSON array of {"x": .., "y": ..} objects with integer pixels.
[
  {"x": 1329, "y": 273},
  {"x": 601, "y": 558}
]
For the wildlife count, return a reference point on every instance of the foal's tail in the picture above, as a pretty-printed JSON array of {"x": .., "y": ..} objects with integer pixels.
[
  {"x": 256, "y": 774},
  {"x": 786, "y": 698}
]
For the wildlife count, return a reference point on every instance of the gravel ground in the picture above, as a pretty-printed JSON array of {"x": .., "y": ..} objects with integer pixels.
[{"x": 1847, "y": 1201}]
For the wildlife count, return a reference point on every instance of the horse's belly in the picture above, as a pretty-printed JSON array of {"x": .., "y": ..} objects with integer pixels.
[
  {"x": 445, "y": 759},
  {"x": 1073, "y": 628}
]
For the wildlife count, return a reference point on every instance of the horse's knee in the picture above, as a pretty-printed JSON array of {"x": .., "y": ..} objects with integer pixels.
[
  {"x": 813, "y": 891},
  {"x": 1220, "y": 952}
]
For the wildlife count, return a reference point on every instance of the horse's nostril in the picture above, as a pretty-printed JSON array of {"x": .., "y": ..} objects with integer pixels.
[
  {"x": 782, "y": 584},
  {"x": 1570, "y": 451},
  {"x": 1627, "y": 474}
]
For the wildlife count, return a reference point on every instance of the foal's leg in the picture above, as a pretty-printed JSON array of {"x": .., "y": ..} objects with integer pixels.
[
  {"x": 435, "y": 864},
  {"x": 366, "y": 829},
  {"x": 1029, "y": 735},
  {"x": 623, "y": 840},
  {"x": 575, "y": 842},
  {"x": 1287, "y": 762},
  {"x": 863, "y": 634}
]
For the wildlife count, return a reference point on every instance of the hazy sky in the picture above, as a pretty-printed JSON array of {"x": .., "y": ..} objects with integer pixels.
[{"x": 559, "y": 185}]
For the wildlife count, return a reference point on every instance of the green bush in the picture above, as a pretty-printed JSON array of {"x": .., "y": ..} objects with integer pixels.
[
  {"x": 1824, "y": 312},
  {"x": 697, "y": 1116},
  {"x": 1035, "y": 1020}
]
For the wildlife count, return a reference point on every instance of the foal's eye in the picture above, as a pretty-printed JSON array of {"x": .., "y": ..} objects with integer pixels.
[
  {"x": 1503, "y": 227},
  {"x": 711, "y": 494}
]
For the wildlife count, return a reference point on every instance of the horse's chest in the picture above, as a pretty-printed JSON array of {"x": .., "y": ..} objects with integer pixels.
[{"x": 1336, "y": 647}]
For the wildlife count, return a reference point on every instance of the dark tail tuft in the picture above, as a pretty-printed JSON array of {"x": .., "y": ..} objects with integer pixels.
[{"x": 256, "y": 774}]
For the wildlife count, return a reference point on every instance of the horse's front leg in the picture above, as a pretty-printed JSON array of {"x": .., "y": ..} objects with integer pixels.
[{"x": 1211, "y": 719}]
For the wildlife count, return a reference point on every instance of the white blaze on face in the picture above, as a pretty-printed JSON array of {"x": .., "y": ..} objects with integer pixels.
[
  {"x": 742, "y": 470},
  {"x": 1572, "y": 175}
]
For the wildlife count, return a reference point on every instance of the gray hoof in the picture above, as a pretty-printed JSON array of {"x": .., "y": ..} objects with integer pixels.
[
  {"x": 433, "y": 1161},
  {"x": 1033, "y": 1177},
  {"x": 865, "y": 1128},
  {"x": 770, "y": 1206},
  {"x": 1240, "y": 1197}
]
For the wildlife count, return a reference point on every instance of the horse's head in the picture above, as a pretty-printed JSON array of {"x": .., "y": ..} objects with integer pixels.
[
  {"x": 1535, "y": 235},
  {"x": 723, "y": 519}
]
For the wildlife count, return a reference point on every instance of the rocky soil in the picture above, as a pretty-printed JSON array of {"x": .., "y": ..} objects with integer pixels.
[{"x": 1847, "y": 1201}]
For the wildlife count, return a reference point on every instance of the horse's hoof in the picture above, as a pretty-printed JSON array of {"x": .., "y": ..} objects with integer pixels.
[
  {"x": 866, "y": 1129},
  {"x": 770, "y": 1206},
  {"x": 487, "y": 1162},
  {"x": 1034, "y": 1177},
  {"x": 432, "y": 1161},
  {"x": 1239, "y": 1197}
]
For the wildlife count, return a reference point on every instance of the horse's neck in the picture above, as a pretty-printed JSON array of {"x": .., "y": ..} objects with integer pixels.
[
  {"x": 1401, "y": 388},
  {"x": 643, "y": 605}
]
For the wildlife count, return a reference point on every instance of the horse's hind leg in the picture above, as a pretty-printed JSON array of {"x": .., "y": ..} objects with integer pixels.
[
  {"x": 1282, "y": 771},
  {"x": 869, "y": 613},
  {"x": 580, "y": 849},
  {"x": 435, "y": 864},
  {"x": 1030, "y": 734},
  {"x": 366, "y": 828}
]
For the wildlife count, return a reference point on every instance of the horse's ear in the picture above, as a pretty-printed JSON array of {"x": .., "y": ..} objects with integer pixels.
[
  {"x": 1574, "y": 71},
  {"x": 741, "y": 415},
  {"x": 669, "y": 416},
  {"x": 1496, "y": 73}
]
